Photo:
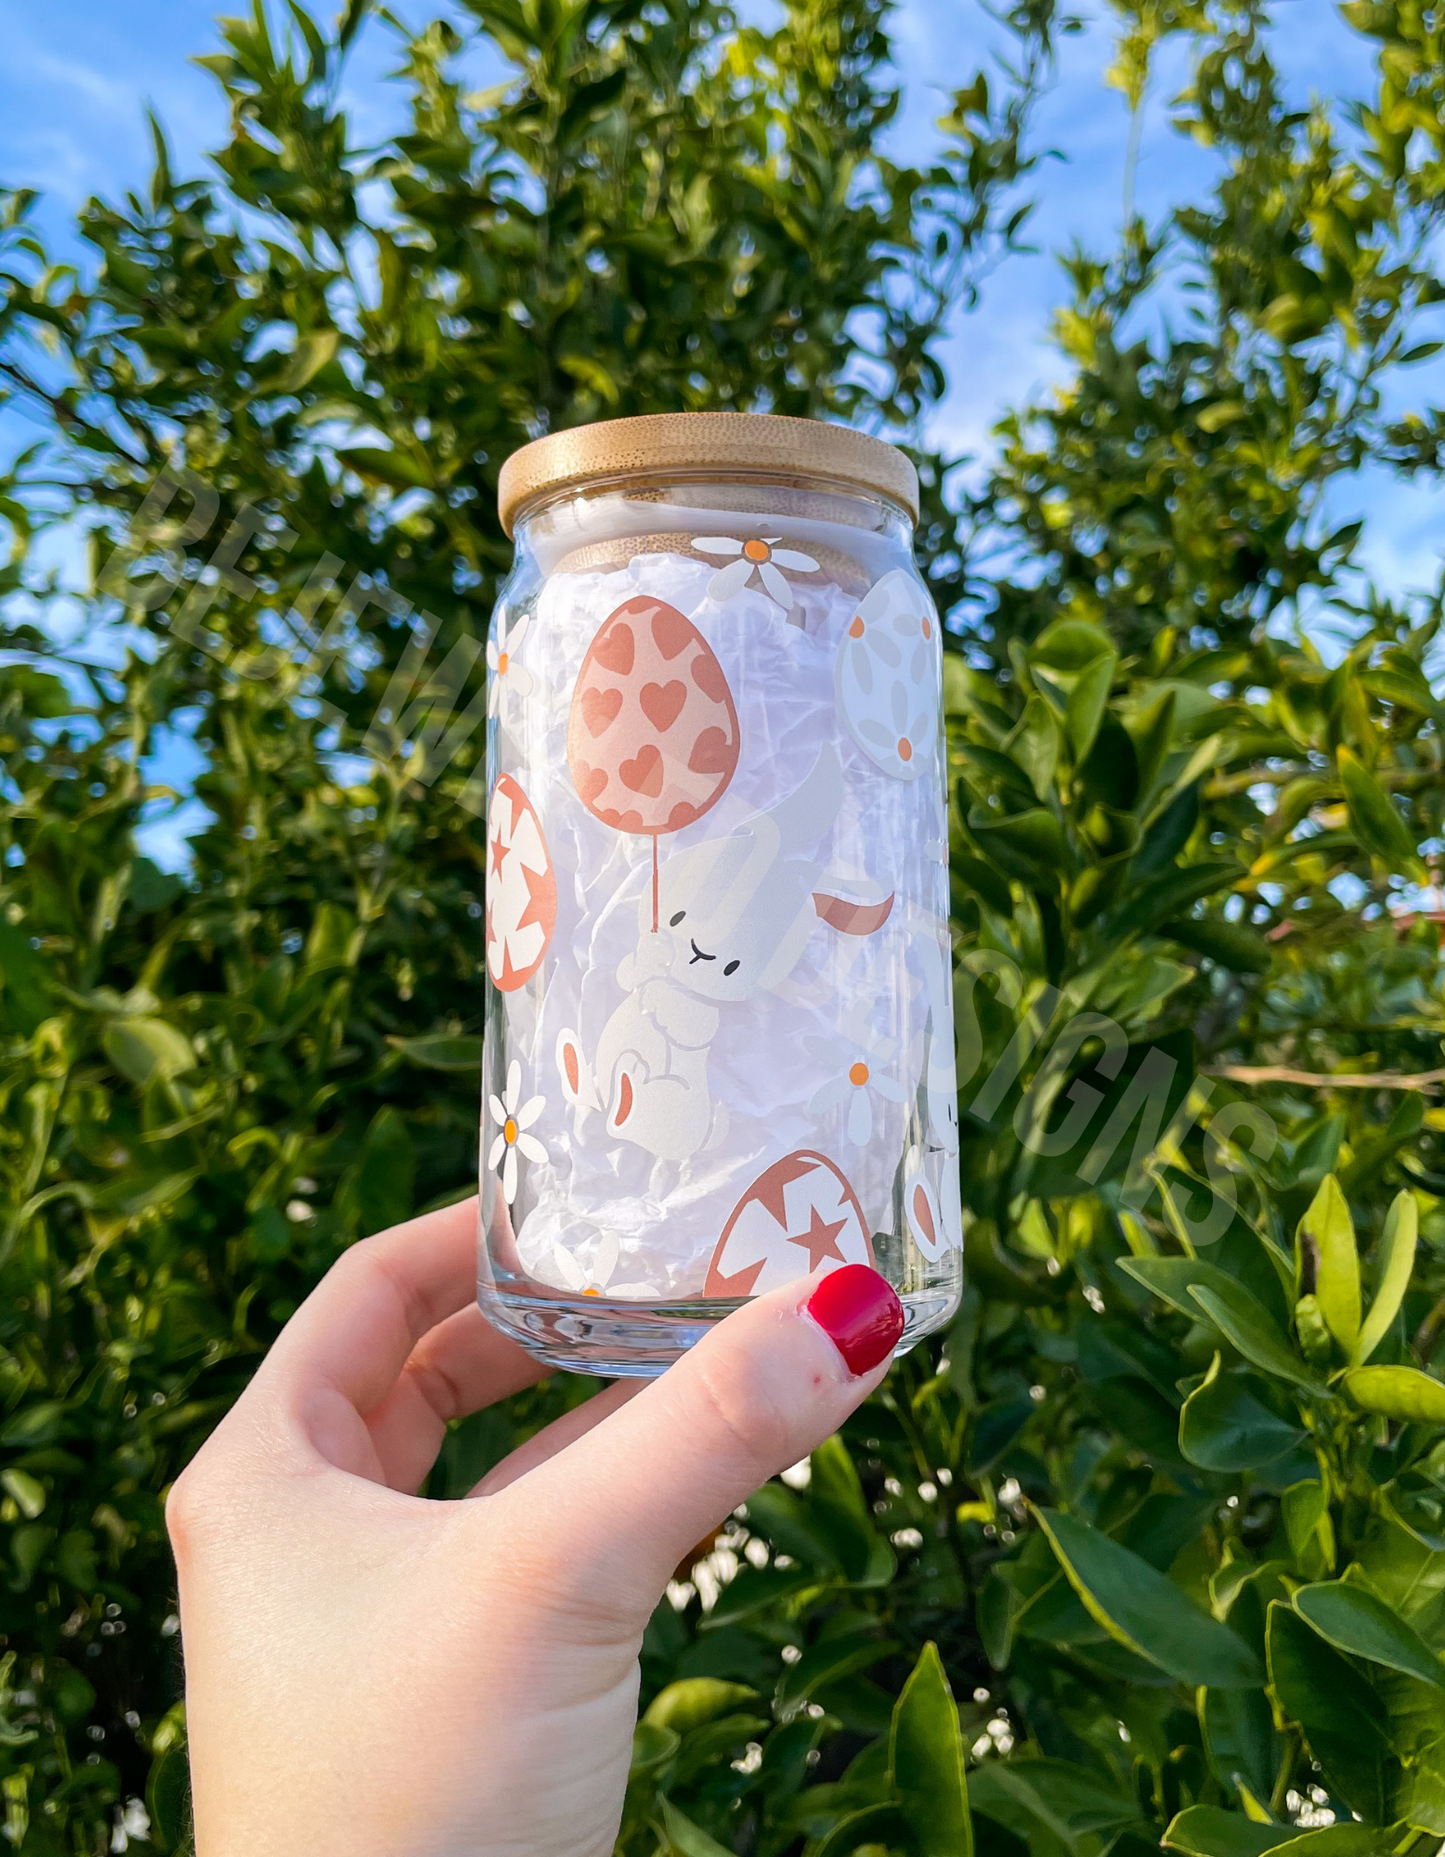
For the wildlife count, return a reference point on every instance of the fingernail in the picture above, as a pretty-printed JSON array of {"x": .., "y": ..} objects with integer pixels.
[{"x": 859, "y": 1313}]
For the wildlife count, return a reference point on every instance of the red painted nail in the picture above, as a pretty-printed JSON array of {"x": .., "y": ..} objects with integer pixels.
[{"x": 859, "y": 1313}]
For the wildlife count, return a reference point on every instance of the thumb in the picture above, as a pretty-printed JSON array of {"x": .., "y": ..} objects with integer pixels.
[{"x": 757, "y": 1393}]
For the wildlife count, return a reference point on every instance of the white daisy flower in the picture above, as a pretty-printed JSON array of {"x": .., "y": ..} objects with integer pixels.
[
  {"x": 760, "y": 556},
  {"x": 851, "y": 1085},
  {"x": 591, "y": 1281},
  {"x": 504, "y": 673},
  {"x": 512, "y": 1122}
]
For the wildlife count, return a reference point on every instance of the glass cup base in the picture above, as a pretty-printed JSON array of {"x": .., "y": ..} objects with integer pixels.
[{"x": 628, "y": 1340}]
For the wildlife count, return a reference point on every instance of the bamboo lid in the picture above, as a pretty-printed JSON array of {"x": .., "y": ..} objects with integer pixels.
[{"x": 695, "y": 444}]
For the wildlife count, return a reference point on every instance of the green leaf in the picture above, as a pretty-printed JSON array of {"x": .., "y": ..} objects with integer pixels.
[
  {"x": 1207, "y": 1831},
  {"x": 1071, "y": 646},
  {"x": 1024, "y": 843},
  {"x": 831, "y": 1659},
  {"x": 1087, "y": 703},
  {"x": 147, "y": 1050},
  {"x": 652, "y": 1746},
  {"x": 1233, "y": 946},
  {"x": 168, "y": 1797},
  {"x": 984, "y": 881},
  {"x": 696, "y": 1699},
  {"x": 1147, "y": 1612},
  {"x": 440, "y": 1051},
  {"x": 306, "y": 360},
  {"x": 1353, "y": 1619},
  {"x": 685, "y": 1839},
  {"x": 27, "y": 1491},
  {"x": 1244, "y": 1322},
  {"x": 876, "y": 1826},
  {"x": 1397, "y": 1261},
  {"x": 927, "y": 1762},
  {"x": 151, "y": 887},
  {"x": 1171, "y": 1278},
  {"x": 1166, "y": 897},
  {"x": 1341, "y": 1714},
  {"x": 1373, "y": 815},
  {"x": 1239, "y": 1738},
  {"x": 1397, "y": 1393},
  {"x": 24, "y": 983},
  {"x": 1325, "y": 1242},
  {"x": 1225, "y": 1427},
  {"x": 1219, "y": 413}
]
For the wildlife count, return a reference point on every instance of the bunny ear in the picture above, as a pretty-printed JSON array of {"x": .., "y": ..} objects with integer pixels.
[
  {"x": 853, "y": 918},
  {"x": 811, "y": 808}
]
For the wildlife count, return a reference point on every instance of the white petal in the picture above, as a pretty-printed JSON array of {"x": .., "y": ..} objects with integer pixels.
[
  {"x": 531, "y": 1147},
  {"x": 509, "y": 1176},
  {"x": 829, "y": 1095},
  {"x": 717, "y": 544},
  {"x": 568, "y": 1269},
  {"x": 521, "y": 677},
  {"x": 503, "y": 706},
  {"x": 530, "y": 1110},
  {"x": 730, "y": 579},
  {"x": 607, "y": 1254},
  {"x": 519, "y": 632},
  {"x": 512, "y": 1094},
  {"x": 499, "y": 1148},
  {"x": 499, "y": 1114},
  {"x": 776, "y": 585},
  {"x": 891, "y": 1092},
  {"x": 494, "y": 697},
  {"x": 860, "y": 1119},
  {"x": 493, "y": 654},
  {"x": 790, "y": 558}
]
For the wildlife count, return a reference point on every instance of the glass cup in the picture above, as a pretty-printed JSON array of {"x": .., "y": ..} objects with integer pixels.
[{"x": 719, "y": 1048}]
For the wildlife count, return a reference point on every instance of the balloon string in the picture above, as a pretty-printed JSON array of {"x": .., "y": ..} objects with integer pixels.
[{"x": 654, "y": 883}]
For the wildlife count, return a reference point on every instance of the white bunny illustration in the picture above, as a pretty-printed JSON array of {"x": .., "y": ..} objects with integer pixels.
[{"x": 734, "y": 916}]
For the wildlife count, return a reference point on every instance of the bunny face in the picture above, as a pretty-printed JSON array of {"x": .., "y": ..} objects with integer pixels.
[
  {"x": 721, "y": 951},
  {"x": 734, "y": 914}
]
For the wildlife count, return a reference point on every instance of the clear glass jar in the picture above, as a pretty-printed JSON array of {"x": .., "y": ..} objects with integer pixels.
[{"x": 719, "y": 1028}]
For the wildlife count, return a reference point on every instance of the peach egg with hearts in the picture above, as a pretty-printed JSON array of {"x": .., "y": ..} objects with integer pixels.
[{"x": 652, "y": 735}]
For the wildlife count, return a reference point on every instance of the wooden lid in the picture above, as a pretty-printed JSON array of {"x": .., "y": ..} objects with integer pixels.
[{"x": 696, "y": 444}]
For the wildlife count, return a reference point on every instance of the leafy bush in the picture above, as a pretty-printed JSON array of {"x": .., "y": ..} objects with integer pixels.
[{"x": 1149, "y": 1546}]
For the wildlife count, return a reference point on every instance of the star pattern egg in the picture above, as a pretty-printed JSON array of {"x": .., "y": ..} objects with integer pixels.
[
  {"x": 521, "y": 887},
  {"x": 799, "y": 1216}
]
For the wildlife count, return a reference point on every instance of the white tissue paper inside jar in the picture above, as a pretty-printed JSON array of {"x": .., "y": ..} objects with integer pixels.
[{"x": 717, "y": 912}]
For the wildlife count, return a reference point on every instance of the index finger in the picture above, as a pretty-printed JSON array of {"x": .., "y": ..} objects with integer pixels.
[{"x": 355, "y": 1332}]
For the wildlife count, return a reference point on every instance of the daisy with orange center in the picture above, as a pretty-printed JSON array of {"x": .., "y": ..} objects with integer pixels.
[
  {"x": 760, "y": 556},
  {"x": 513, "y": 1120},
  {"x": 505, "y": 675},
  {"x": 851, "y": 1085}
]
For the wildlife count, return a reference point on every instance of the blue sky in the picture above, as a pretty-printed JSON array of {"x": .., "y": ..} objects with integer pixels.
[{"x": 79, "y": 74}]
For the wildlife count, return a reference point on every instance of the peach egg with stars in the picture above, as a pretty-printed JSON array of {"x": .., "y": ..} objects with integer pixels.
[
  {"x": 521, "y": 887},
  {"x": 800, "y": 1215}
]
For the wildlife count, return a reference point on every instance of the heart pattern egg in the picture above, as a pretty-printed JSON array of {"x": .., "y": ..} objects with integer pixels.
[{"x": 652, "y": 736}]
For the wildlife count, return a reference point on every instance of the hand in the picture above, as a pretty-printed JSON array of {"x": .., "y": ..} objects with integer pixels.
[{"x": 370, "y": 1672}]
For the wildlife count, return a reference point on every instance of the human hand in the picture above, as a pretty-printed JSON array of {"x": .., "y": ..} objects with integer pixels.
[{"x": 370, "y": 1672}]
